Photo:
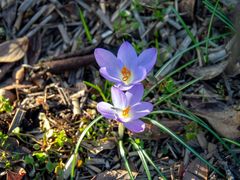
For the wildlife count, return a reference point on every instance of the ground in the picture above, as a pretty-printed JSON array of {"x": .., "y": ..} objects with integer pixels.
[{"x": 50, "y": 86}]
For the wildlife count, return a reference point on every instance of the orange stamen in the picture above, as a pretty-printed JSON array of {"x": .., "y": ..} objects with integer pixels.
[
  {"x": 125, "y": 112},
  {"x": 126, "y": 73}
]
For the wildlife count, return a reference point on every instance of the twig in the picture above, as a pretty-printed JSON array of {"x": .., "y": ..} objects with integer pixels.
[{"x": 59, "y": 66}]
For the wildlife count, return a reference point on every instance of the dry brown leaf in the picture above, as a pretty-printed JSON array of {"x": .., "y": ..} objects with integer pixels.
[
  {"x": 113, "y": 175},
  {"x": 13, "y": 50},
  {"x": 208, "y": 72},
  {"x": 224, "y": 119},
  {"x": 16, "y": 175}
]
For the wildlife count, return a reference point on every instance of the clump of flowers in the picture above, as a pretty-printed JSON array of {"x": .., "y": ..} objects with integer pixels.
[{"x": 126, "y": 71}]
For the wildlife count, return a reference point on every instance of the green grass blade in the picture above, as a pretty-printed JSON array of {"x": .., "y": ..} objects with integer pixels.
[
  {"x": 79, "y": 142},
  {"x": 203, "y": 124},
  {"x": 97, "y": 88},
  {"x": 151, "y": 162},
  {"x": 190, "y": 34},
  {"x": 177, "y": 91},
  {"x": 177, "y": 138},
  {"x": 167, "y": 76},
  {"x": 154, "y": 165},
  {"x": 200, "y": 122},
  {"x": 88, "y": 34},
  {"x": 145, "y": 165},
  {"x": 123, "y": 155},
  {"x": 189, "y": 113},
  {"x": 186, "y": 50},
  {"x": 219, "y": 14},
  {"x": 209, "y": 30},
  {"x": 231, "y": 141}
]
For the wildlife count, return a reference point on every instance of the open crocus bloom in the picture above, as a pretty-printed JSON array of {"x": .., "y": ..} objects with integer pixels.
[
  {"x": 127, "y": 107},
  {"x": 127, "y": 68}
]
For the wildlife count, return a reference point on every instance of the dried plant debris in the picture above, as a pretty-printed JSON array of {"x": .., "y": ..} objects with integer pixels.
[
  {"x": 196, "y": 170},
  {"x": 13, "y": 50},
  {"x": 208, "y": 72},
  {"x": 50, "y": 87},
  {"x": 224, "y": 119},
  {"x": 115, "y": 174}
]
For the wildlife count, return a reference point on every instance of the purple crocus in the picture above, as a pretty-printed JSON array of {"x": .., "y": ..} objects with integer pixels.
[
  {"x": 127, "y": 108},
  {"x": 127, "y": 68}
]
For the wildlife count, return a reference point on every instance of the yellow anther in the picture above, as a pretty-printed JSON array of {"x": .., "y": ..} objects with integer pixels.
[
  {"x": 125, "y": 112},
  {"x": 126, "y": 73}
]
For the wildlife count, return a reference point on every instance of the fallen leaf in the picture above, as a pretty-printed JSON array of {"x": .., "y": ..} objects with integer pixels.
[
  {"x": 208, "y": 72},
  {"x": 16, "y": 175},
  {"x": 13, "y": 50},
  {"x": 114, "y": 175},
  {"x": 224, "y": 119}
]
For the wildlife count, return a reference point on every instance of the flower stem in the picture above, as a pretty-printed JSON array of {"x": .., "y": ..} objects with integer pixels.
[{"x": 121, "y": 129}]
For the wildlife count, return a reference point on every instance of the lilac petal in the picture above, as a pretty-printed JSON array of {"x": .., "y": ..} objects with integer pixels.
[
  {"x": 135, "y": 125},
  {"x": 141, "y": 109},
  {"x": 114, "y": 70},
  {"x": 148, "y": 58},
  {"x": 127, "y": 55},
  {"x": 135, "y": 94},
  {"x": 106, "y": 110},
  {"x": 104, "y": 57},
  {"x": 103, "y": 71},
  {"x": 139, "y": 74},
  {"x": 124, "y": 87},
  {"x": 118, "y": 98}
]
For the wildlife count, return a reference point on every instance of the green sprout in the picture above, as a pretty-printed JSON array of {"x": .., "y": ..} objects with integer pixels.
[
  {"x": 3, "y": 139},
  {"x": 5, "y": 105},
  {"x": 168, "y": 86},
  {"x": 61, "y": 138},
  {"x": 192, "y": 129}
]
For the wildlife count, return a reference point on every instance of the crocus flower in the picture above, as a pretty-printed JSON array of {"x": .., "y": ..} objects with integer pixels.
[
  {"x": 127, "y": 108},
  {"x": 127, "y": 68}
]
